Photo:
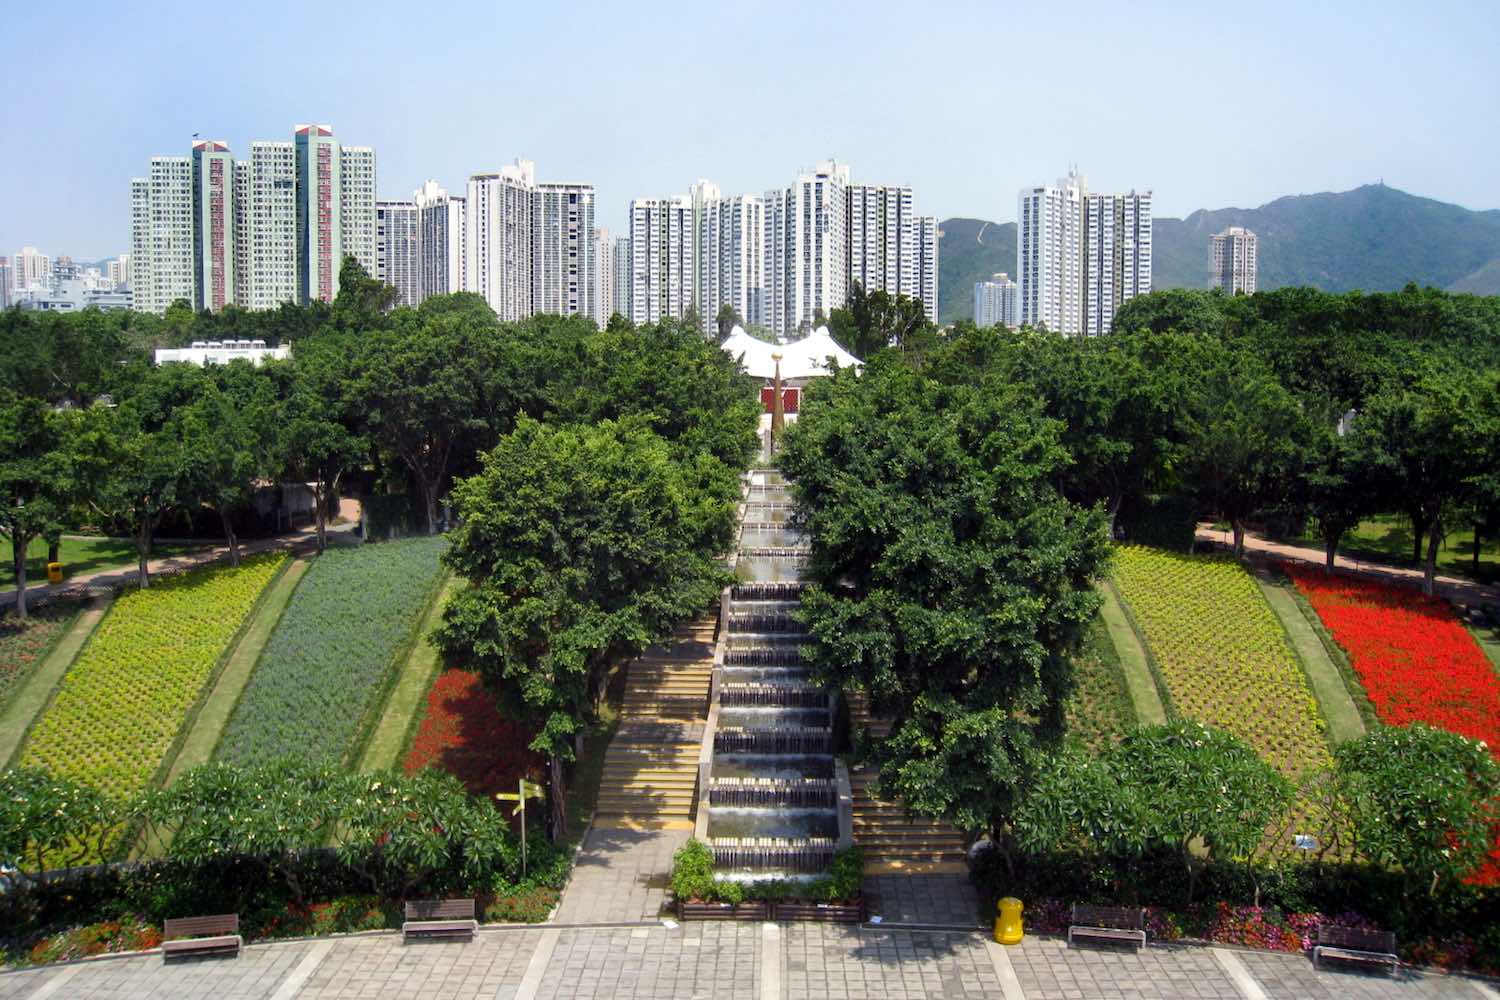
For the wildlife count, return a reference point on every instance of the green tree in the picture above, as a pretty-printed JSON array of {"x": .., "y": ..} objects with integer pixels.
[
  {"x": 362, "y": 302},
  {"x": 1182, "y": 786},
  {"x": 727, "y": 319},
  {"x": 35, "y": 483},
  {"x": 574, "y": 543},
  {"x": 873, "y": 321},
  {"x": 48, "y": 822},
  {"x": 1335, "y": 486},
  {"x": 947, "y": 579},
  {"x": 227, "y": 436},
  {"x": 1421, "y": 800}
]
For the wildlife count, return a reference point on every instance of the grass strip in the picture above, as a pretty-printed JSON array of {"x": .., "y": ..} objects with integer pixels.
[
  {"x": 1353, "y": 686},
  {"x": 33, "y": 697},
  {"x": 393, "y": 734},
  {"x": 1489, "y": 641},
  {"x": 198, "y": 746},
  {"x": 1140, "y": 679},
  {"x": 1339, "y": 711}
]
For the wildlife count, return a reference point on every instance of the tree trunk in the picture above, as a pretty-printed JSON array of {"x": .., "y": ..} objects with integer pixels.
[
  {"x": 229, "y": 537},
  {"x": 1114, "y": 513},
  {"x": 143, "y": 550},
  {"x": 1418, "y": 530},
  {"x": 54, "y": 549},
  {"x": 558, "y": 800},
  {"x": 18, "y": 543},
  {"x": 1239, "y": 538},
  {"x": 320, "y": 514},
  {"x": 1477, "y": 538},
  {"x": 1429, "y": 574},
  {"x": 1331, "y": 549},
  {"x": 429, "y": 503}
]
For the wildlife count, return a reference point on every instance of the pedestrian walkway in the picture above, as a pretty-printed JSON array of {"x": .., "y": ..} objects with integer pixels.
[
  {"x": 724, "y": 961},
  {"x": 620, "y": 876}
]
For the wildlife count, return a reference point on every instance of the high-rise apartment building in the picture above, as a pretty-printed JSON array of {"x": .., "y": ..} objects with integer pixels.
[
  {"x": 320, "y": 228},
  {"x": 1049, "y": 255},
  {"x": 1116, "y": 255},
  {"x": 996, "y": 302},
  {"x": 927, "y": 268},
  {"x": 357, "y": 205},
  {"x": 620, "y": 261},
  {"x": 1232, "y": 261},
  {"x": 215, "y": 271},
  {"x": 161, "y": 235},
  {"x": 498, "y": 225},
  {"x": 731, "y": 264},
  {"x": 396, "y": 256},
  {"x": 891, "y": 248},
  {"x": 604, "y": 277},
  {"x": 30, "y": 269},
  {"x": 562, "y": 249},
  {"x": 441, "y": 241},
  {"x": 1080, "y": 255},
  {"x": 270, "y": 235},
  {"x": 807, "y": 234},
  {"x": 4, "y": 282},
  {"x": 702, "y": 193},
  {"x": 661, "y": 258},
  {"x": 117, "y": 271}
]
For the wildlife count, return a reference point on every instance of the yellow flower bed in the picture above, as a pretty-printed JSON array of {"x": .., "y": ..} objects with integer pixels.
[
  {"x": 123, "y": 700},
  {"x": 1222, "y": 653}
]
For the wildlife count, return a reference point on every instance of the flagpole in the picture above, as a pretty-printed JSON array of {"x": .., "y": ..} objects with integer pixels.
[{"x": 521, "y": 790}]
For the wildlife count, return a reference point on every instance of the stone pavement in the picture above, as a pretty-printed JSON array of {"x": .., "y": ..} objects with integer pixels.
[
  {"x": 721, "y": 961},
  {"x": 948, "y": 898},
  {"x": 620, "y": 876}
]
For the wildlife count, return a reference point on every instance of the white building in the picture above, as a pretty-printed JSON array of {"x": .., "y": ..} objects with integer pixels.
[
  {"x": 661, "y": 258},
  {"x": 1232, "y": 261},
  {"x": 807, "y": 234},
  {"x": 4, "y": 282},
  {"x": 442, "y": 251},
  {"x": 216, "y": 278},
  {"x": 117, "y": 271},
  {"x": 270, "y": 236},
  {"x": 927, "y": 245},
  {"x": 1116, "y": 255},
  {"x": 891, "y": 248},
  {"x": 498, "y": 224},
  {"x": 357, "y": 204},
  {"x": 562, "y": 249},
  {"x": 996, "y": 302},
  {"x": 703, "y": 193},
  {"x": 215, "y": 352},
  {"x": 161, "y": 234},
  {"x": 604, "y": 277},
  {"x": 30, "y": 269},
  {"x": 396, "y": 258},
  {"x": 620, "y": 260},
  {"x": 731, "y": 258},
  {"x": 1049, "y": 255}
]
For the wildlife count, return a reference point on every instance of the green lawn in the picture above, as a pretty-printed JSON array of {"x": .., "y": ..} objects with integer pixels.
[
  {"x": 1099, "y": 711},
  {"x": 81, "y": 555},
  {"x": 1387, "y": 538}
]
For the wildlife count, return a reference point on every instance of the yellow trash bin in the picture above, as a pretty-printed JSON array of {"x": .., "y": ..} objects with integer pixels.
[
  {"x": 54, "y": 572},
  {"x": 1008, "y": 926}
]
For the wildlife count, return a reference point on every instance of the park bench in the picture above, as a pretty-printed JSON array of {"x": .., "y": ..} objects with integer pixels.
[
  {"x": 1108, "y": 923},
  {"x": 439, "y": 918},
  {"x": 184, "y": 937},
  {"x": 1351, "y": 944}
]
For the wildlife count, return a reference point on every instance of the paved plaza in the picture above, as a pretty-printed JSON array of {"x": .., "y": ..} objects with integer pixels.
[{"x": 722, "y": 961}]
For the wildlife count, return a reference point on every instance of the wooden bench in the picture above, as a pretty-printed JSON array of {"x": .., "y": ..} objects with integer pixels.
[
  {"x": 183, "y": 937},
  {"x": 1351, "y": 944},
  {"x": 439, "y": 918},
  {"x": 1108, "y": 923}
]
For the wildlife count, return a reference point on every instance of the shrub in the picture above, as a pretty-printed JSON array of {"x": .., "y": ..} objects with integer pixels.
[{"x": 693, "y": 871}]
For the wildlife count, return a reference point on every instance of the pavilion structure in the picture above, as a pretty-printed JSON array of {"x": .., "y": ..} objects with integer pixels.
[{"x": 792, "y": 364}]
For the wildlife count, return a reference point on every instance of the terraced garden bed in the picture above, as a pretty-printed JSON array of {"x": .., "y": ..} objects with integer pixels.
[
  {"x": 1222, "y": 653},
  {"x": 323, "y": 675},
  {"x": 464, "y": 733},
  {"x": 122, "y": 702},
  {"x": 23, "y": 644}
]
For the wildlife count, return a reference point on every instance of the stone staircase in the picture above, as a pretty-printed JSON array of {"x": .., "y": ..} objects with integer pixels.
[
  {"x": 893, "y": 840},
  {"x": 650, "y": 778}
]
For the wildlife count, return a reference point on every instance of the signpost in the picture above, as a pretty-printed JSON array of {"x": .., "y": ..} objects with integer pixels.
[{"x": 524, "y": 790}]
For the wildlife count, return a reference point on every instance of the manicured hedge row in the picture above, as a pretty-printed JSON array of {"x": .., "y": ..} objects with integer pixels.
[{"x": 324, "y": 671}]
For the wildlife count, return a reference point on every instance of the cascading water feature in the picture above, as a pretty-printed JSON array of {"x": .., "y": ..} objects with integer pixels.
[{"x": 772, "y": 798}]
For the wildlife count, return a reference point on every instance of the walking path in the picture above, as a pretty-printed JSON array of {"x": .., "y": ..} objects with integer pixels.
[
  {"x": 1456, "y": 589},
  {"x": 724, "y": 961}
]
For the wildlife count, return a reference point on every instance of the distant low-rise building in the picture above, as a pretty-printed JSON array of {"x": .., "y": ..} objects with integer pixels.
[
  {"x": 1232, "y": 260},
  {"x": 73, "y": 295},
  {"x": 219, "y": 352}
]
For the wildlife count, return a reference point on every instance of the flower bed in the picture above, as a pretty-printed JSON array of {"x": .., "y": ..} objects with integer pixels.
[
  {"x": 123, "y": 700},
  {"x": 464, "y": 733},
  {"x": 1223, "y": 654},
  {"x": 1414, "y": 657},
  {"x": 24, "y": 643},
  {"x": 325, "y": 668}
]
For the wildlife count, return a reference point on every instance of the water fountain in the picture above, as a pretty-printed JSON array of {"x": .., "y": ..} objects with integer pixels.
[{"x": 771, "y": 794}]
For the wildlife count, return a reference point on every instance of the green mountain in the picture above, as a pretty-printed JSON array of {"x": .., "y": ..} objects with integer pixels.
[
  {"x": 1374, "y": 238},
  {"x": 970, "y": 250}
]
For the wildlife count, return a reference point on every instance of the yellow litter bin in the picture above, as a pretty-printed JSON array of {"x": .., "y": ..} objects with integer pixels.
[
  {"x": 54, "y": 572},
  {"x": 1008, "y": 926}
]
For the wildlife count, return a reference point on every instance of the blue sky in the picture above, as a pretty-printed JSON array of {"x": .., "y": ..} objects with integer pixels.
[{"x": 1210, "y": 105}]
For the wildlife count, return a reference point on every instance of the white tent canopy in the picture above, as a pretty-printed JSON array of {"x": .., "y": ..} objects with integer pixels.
[{"x": 800, "y": 359}]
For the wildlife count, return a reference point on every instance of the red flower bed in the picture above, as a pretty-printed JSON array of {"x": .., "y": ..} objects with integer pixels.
[
  {"x": 1413, "y": 656},
  {"x": 465, "y": 734},
  {"x": 1415, "y": 659}
]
